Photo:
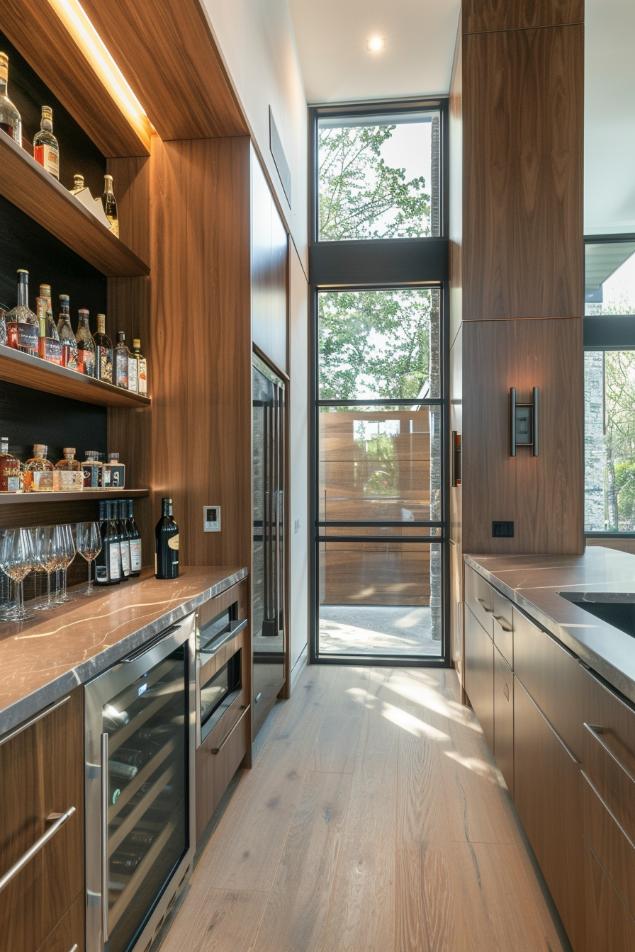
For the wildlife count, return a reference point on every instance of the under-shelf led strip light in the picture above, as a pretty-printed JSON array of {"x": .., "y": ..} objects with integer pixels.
[{"x": 76, "y": 21}]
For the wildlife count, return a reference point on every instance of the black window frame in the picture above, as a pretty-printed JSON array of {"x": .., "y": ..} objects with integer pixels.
[
  {"x": 608, "y": 332},
  {"x": 375, "y": 264}
]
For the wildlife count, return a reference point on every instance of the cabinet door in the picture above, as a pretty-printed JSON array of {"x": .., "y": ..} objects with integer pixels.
[
  {"x": 504, "y": 718},
  {"x": 610, "y": 925},
  {"x": 42, "y": 793},
  {"x": 548, "y": 797},
  {"x": 479, "y": 674}
]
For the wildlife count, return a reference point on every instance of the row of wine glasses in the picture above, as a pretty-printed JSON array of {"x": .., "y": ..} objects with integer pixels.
[{"x": 45, "y": 549}]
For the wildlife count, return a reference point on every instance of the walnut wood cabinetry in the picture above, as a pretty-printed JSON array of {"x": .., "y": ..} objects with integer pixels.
[
  {"x": 479, "y": 673},
  {"x": 504, "y": 718},
  {"x": 42, "y": 792}
]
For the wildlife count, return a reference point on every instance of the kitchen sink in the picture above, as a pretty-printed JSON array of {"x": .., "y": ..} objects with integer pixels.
[{"x": 617, "y": 610}]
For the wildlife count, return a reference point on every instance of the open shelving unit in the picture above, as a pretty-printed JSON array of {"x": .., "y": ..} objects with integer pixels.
[{"x": 86, "y": 495}]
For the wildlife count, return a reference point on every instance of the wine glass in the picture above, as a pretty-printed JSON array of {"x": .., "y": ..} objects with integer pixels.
[
  {"x": 88, "y": 540},
  {"x": 65, "y": 545},
  {"x": 45, "y": 559},
  {"x": 16, "y": 561}
]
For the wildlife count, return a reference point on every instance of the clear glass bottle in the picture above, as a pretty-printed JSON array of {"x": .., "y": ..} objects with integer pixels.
[
  {"x": 133, "y": 371},
  {"x": 46, "y": 149},
  {"x": 78, "y": 184},
  {"x": 85, "y": 344},
  {"x": 120, "y": 361},
  {"x": 142, "y": 367},
  {"x": 22, "y": 324},
  {"x": 109, "y": 202},
  {"x": 93, "y": 470},
  {"x": 38, "y": 471},
  {"x": 3, "y": 326},
  {"x": 10, "y": 474},
  {"x": 66, "y": 335},
  {"x": 10, "y": 120},
  {"x": 114, "y": 473},
  {"x": 49, "y": 344},
  {"x": 103, "y": 351},
  {"x": 69, "y": 473}
]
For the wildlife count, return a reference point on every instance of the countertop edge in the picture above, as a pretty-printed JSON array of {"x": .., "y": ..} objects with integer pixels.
[
  {"x": 615, "y": 677},
  {"x": 31, "y": 704}
]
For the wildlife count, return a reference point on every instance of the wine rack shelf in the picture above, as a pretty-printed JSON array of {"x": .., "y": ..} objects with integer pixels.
[
  {"x": 29, "y": 499},
  {"x": 28, "y": 371},
  {"x": 34, "y": 191}
]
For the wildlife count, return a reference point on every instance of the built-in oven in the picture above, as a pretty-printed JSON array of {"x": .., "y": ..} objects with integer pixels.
[
  {"x": 219, "y": 666},
  {"x": 140, "y": 792}
]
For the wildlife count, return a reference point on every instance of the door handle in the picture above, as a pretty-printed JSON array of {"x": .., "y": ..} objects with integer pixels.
[
  {"x": 597, "y": 733},
  {"x": 104, "y": 836},
  {"x": 483, "y": 604},
  {"x": 504, "y": 624}
]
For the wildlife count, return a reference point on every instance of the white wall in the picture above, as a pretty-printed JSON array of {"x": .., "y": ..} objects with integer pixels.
[{"x": 257, "y": 43}]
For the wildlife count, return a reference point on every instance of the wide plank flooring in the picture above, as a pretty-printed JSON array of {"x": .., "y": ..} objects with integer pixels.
[{"x": 373, "y": 820}]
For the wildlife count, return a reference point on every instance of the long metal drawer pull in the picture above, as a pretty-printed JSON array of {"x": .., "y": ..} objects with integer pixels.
[
  {"x": 57, "y": 821},
  {"x": 38, "y": 717},
  {"x": 217, "y": 750},
  {"x": 504, "y": 624},
  {"x": 596, "y": 732},
  {"x": 216, "y": 645},
  {"x": 483, "y": 605}
]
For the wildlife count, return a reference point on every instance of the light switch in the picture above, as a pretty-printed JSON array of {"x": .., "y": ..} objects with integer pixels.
[{"x": 211, "y": 518}]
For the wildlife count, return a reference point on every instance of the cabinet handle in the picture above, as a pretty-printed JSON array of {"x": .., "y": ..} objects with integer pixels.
[
  {"x": 217, "y": 750},
  {"x": 483, "y": 605},
  {"x": 597, "y": 733},
  {"x": 504, "y": 624},
  {"x": 57, "y": 821},
  {"x": 74, "y": 948}
]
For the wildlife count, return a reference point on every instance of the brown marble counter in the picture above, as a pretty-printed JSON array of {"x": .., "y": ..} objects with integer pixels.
[
  {"x": 44, "y": 658},
  {"x": 534, "y": 583}
]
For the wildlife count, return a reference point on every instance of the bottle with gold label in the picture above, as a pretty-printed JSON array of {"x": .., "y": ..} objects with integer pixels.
[
  {"x": 166, "y": 556},
  {"x": 46, "y": 148},
  {"x": 49, "y": 344},
  {"x": 38, "y": 471},
  {"x": 10, "y": 474},
  {"x": 142, "y": 367},
  {"x": 109, "y": 202},
  {"x": 69, "y": 472},
  {"x": 103, "y": 351}
]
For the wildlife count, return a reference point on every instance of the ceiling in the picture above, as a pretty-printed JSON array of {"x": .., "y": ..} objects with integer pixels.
[{"x": 332, "y": 35}]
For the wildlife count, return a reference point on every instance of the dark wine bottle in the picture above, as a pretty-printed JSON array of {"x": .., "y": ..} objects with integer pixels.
[
  {"x": 108, "y": 562},
  {"x": 134, "y": 536},
  {"x": 121, "y": 510},
  {"x": 166, "y": 558}
]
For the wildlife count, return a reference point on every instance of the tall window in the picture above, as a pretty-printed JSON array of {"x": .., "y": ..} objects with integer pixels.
[
  {"x": 379, "y": 410},
  {"x": 609, "y": 372}
]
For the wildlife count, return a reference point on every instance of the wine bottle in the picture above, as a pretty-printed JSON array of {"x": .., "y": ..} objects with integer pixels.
[
  {"x": 46, "y": 149},
  {"x": 109, "y": 202},
  {"x": 108, "y": 562},
  {"x": 166, "y": 558},
  {"x": 121, "y": 512},
  {"x": 134, "y": 536}
]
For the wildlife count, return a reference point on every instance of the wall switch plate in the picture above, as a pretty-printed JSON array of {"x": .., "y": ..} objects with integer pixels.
[
  {"x": 211, "y": 518},
  {"x": 503, "y": 530}
]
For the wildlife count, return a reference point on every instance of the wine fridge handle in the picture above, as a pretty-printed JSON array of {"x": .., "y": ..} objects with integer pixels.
[{"x": 104, "y": 836}]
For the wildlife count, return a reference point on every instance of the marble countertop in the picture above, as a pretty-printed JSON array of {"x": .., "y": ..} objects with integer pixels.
[
  {"x": 44, "y": 658},
  {"x": 534, "y": 582}
]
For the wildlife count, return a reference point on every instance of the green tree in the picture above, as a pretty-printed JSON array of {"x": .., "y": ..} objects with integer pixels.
[{"x": 619, "y": 393}]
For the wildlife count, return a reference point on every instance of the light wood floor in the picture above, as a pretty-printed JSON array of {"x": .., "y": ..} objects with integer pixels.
[{"x": 373, "y": 820}]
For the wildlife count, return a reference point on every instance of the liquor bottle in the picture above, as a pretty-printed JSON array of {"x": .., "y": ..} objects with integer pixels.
[
  {"x": 103, "y": 349},
  {"x": 3, "y": 326},
  {"x": 120, "y": 361},
  {"x": 38, "y": 471},
  {"x": 85, "y": 345},
  {"x": 22, "y": 324},
  {"x": 133, "y": 371},
  {"x": 10, "y": 121},
  {"x": 166, "y": 558},
  {"x": 66, "y": 335},
  {"x": 130, "y": 756},
  {"x": 78, "y": 184},
  {"x": 142, "y": 367},
  {"x": 46, "y": 149},
  {"x": 136, "y": 559},
  {"x": 108, "y": 562},
  {"x": 114, "y": 473},
  {"x": 49, "y": 344},
  {"x": 120, "y": 512},
  {"x": 69, "y": 474},
  {"x": 122, "y": 771},
  {"x": 93, "y": 470},
  {"x": 10, "y": 476},
  {"x": 109, "y": 202}
]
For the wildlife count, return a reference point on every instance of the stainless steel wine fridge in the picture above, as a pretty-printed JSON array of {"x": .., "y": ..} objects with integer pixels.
[
  {"x": 140, "y": 830},
  {"x": 268, "y": 580}
]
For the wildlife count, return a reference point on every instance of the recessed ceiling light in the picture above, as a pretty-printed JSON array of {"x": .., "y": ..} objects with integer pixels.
[{"x": 376, "y": 43}]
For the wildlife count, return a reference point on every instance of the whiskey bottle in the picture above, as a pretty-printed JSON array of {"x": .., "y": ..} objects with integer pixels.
[
  {"x": 10, "y": 477},
  {"x": 133, "y": 371},
  {"x": 108, "y": 562},
  {"x": 3, "y": 326},
  {"x": 78, "y": 184},
  {"x": 114, "y": 473},
  {"x": 119, "y": 508},
  {"x": 93, "y": 470},
  {"x": 85, "y": 345},
  {"x": 103, "y": 350},
  {"x": 22, "y": 324},
  {"x": 66, "y": 335},
  {"x": 46, "y": 148},
  {"x": 68, "y": 476},
  {"x": 136, "y": 559},
  {"x": 166, "y": 558},
  {"x": 142, "y": 367},
  {"x": 49, "y": 344},
  {"x": 109, "y": 202},
  {"x": 120, "y": 361},
  {"x": 10, "y": 121},
  {"x": 38, "y": 471}
]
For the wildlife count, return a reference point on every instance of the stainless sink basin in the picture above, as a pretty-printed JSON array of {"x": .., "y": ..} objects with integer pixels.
[{"x": 617, "y": 610}]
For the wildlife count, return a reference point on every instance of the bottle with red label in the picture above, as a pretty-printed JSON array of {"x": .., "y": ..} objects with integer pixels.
[
  {"x": 86, "y": 355},
  {"x": 22, "y": 324},
  {"x": 66, "y": 335},
  {"x": 46, "y": 148},
  {"x": 49, "y": 345}
]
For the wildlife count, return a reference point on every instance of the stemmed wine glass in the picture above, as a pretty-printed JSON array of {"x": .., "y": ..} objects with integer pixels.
[
  {"x": 88, "y": 541},
  {"x": 16, "y": 561},
  {"x": 65, "y": 546},
  {"x": 45, "y": 559}
]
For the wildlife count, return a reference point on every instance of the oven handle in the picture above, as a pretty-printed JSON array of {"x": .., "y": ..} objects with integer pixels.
[
  {"x": 217, "y": 750},
  {"x": 104, "y": 836},
  {"x": 235, "y": 628}
]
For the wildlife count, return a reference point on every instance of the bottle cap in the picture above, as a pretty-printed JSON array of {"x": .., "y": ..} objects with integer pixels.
[
  {"x": 47, "y": 112},
  {"x": 64, "y": 297},
  {"x": 4, "y": 58},
  {"x": 23, "y": 271},
  {"x": 69, "y": 451},
  {"x": 113, "y": 456},
  {"x": 78, "y": 180},
  {"x": 107, "y": 178},
  {"x": 39, "y": 449},
  {"x": 121, "y": 336},
  {"x": 83, "y": 310},
  {"x": 45, "y": 290},
  {"x": 136, "y": 343}
]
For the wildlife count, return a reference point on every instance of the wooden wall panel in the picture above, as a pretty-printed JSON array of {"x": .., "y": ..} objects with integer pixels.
[
  {"x": 480, "y": 16},
  {"x": 523, "y": 166},
  {"x": 543, "y": 495},
  {"x": 269, "y": 253},
  {"x": 455, "y": 165}
]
